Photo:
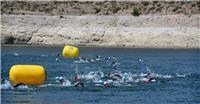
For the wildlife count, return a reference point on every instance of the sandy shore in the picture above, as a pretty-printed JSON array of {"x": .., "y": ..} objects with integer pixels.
[{"x": 149, "y": 31}]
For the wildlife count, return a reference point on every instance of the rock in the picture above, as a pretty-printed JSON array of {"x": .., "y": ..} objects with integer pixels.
[
  {"x": 9, "y": 40},
  {"x": 96, "y": 39}
]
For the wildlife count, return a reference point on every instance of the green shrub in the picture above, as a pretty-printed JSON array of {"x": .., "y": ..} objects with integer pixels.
[
  {"x": 97, "y": 10},
  {"x": 136, "y": 12}
]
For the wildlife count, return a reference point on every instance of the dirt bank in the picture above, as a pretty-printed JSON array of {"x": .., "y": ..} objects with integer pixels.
[{"x": 172, "y": 31}]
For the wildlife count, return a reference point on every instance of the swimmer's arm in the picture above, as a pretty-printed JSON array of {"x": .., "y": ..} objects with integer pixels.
[{"x": 15, "y": 86}]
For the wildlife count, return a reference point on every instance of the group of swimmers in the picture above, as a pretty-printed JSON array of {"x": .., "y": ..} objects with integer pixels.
[
  {"x": 111, "y": 60},
  {"x": 106, "y": 81}
]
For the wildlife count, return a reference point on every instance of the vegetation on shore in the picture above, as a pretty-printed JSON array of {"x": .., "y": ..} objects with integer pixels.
[{"x": 100, "y": 7}]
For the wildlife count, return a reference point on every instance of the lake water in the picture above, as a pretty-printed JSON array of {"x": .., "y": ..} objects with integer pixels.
[{"x": 177, "y": 74}]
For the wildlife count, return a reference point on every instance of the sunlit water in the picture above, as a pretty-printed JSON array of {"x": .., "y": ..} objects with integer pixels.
[{"x": 177, "y": 74}]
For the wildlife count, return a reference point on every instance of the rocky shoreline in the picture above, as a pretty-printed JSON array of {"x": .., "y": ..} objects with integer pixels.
[{"x": 114, "y": 30}]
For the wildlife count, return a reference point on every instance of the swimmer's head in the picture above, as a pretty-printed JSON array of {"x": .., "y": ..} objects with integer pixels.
[
  {"x": 60, "y": 79},
  {"x": 106, "y": 84}
]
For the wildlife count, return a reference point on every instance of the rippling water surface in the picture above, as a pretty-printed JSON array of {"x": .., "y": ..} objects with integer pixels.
[{"x": 177, "y": 74}]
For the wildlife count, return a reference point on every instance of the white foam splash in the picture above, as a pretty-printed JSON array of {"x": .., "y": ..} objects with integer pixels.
[
  {"x": 23, "y": 87},
  {"x": 47, "y": 85},
  {"x": 6, "y": 85},
  {"x": 43, "y": 55},
  {"x": 92, "y": 75},
  {"x": 57, "y": 59},
  {"x": 66, "y": 83},
  {"x": 182, "y": 75},
  {"x": 99, "y": 78},
  {"x": 81, "y": 61},
  {"x": 16, "y": 54}
]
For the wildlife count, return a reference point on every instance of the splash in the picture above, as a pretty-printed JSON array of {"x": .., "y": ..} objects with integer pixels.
[
  {"x": 118, "y": 78},
  {"x": 100, "y": 79},
  {"x": 182, "y": 75},
  {"x": 16, "y": 54},
  {"x": 97, "y": 59},
  {"x": 7, "y": 85},
  {"x": 63, "y": 81}
]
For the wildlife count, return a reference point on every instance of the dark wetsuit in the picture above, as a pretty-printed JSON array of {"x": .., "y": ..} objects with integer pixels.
[
  {"x": 79, "y": 84},
  {"x": 15, "y": 86}
]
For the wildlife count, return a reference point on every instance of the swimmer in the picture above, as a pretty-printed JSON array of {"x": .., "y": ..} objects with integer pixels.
[
  {"x": 60, "y": 80},
  {"x": 115, "y": 76},
  {"x": 78, "y": 83},
  {"x": 58, "y": 55},
  {"x": 82, "y": 59},
  {"x": 2, "y": 80},
  {"x": 63, "y": 81},
  {"x": 114, "y": 57},
  {"x": 98, "y": 56},
  {"x": 148, "y": 80},
  {"x": 107, "y": 59},
  {"x": 149, "y": 77},
  {"x": 114, "y": 65},
  {"x": 107, "y": 83}
]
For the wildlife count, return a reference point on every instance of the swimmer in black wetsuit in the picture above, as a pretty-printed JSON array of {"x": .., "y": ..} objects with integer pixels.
[
  {"x": 114, "y": 76},
  {"x": 147, "y": 75},
  {"x": 78, "y": 83},
  {"x": 61, "y": 81}
]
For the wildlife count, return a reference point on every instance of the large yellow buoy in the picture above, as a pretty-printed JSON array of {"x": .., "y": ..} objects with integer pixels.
[
  {"x": 70, "y": 52},
  {"x": 27, "y": 74}
]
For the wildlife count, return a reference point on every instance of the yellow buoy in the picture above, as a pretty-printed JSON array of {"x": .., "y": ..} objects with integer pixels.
[
  {"x": 70, "y": 52},
  {"x": 27, "y": 74}
]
